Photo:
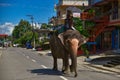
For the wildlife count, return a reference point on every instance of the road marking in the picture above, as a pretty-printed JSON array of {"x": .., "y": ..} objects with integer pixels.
[
  {"x": 63, "y": 78},
  {"x": 33, "y": 60},
  {"x": 59, "y": 76},
  {"x": 27, "y": 57},
  {"x": 44, "y": 66}
]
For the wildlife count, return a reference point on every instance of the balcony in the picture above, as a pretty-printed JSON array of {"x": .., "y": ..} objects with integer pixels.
[
  {"x": 114, "y": 20},
  {"x": 72, "y": 2},
  {"x": 114, "y": 17}
]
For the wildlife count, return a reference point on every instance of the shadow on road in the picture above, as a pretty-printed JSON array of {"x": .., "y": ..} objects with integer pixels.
[{"x": 45, "y": 72}]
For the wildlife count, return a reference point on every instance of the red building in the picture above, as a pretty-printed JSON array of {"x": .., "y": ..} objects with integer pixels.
[
  {"x": 106, "y": 32},
  {"x": 2, "y": 39},
  {"x": 3, "y": 35}
]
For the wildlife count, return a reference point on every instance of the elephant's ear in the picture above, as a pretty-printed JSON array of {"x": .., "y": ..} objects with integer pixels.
[{"x": 83, "y": 40}]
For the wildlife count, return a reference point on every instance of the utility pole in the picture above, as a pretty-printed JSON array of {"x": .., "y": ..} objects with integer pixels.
[{"x": 32, "y": 18}]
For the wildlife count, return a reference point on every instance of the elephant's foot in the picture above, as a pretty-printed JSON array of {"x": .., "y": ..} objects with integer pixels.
[
  {"x": 54, "y": 68},
  {"x": 75, "y": 75},
  {"x": 63, "y": 69},
  {"x": 66, "y": 72},
  {"x": 71, "y": 68}
]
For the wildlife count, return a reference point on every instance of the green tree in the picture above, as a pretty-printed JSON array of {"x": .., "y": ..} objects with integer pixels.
[
  {"x": 79, "y": 26},
  {"x": 44, "y": 26},
  {"x": 20, "y": 31},
  {"x": 21, "y": 28}
]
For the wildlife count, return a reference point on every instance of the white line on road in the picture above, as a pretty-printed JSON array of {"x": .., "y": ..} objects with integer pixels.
[
  {"x": 44, "y": 66},
  {"x": 59, "y": 76},
  {"x": 63, "y": 78},
  {"x": 33, "y": 60}
]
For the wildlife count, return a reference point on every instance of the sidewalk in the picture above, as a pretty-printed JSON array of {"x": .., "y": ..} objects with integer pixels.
[{"x": 97, "y": 61}]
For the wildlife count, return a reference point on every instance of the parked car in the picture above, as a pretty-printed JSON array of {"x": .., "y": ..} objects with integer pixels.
[{"x": 28, "y": 45}]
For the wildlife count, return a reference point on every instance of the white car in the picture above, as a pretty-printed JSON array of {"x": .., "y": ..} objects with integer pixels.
[{"x": 15, "y": 45}]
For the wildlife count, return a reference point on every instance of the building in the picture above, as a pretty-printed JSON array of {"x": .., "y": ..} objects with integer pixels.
[
  {"x": 106, "y": 32},
  {"x": 2, "y": 39},
  {"x": 64, "y": 6}
]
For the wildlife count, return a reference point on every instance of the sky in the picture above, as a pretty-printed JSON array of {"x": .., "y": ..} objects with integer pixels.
[{"x": 12, "y": 11}]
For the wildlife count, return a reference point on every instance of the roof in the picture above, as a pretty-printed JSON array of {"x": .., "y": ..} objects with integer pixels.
[
  {"x": 3, "y": 35},
  {"x": 103, "y": 2},
  {"x": 99, "y": 3}
]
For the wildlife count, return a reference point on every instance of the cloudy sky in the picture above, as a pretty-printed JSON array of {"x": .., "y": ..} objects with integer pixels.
[
  {"x": 6, "y": 28},
  {"x": 12, "y": 11}
]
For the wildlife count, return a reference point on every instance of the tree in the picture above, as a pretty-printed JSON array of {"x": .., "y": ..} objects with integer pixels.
[
  {"x": 79, "y": 26},
  {"x": 44, "y": 26},
  {"x": 21, "y": 28},
  {"x": 19, "y": 32}
]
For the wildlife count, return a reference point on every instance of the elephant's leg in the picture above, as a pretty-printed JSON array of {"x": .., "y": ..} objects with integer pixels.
[
  {"x": 55, "y": 66},
  {"x": 73, "y": 66},
  {"x": 66, "y": 64},
  {"x": 63, "y": 67}
]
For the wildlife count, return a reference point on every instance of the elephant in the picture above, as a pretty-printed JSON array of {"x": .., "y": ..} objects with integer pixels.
[{"x": 66, "y": 47}]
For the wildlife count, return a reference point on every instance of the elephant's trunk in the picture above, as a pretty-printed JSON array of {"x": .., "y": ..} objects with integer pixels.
[{"x": 73, "y": 44}]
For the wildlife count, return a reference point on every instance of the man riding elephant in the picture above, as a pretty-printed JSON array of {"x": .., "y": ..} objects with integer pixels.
[{"x": 66, "y": 45}]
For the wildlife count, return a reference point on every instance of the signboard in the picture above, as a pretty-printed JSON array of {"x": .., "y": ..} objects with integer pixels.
[{"x": 76, "y": 15}]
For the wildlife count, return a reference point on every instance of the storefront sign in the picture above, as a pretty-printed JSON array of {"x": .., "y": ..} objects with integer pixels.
[{"x": 76, "y": 15}]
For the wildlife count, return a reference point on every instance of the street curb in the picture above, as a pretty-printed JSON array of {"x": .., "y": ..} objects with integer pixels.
[{"x": 104, "y": 68}]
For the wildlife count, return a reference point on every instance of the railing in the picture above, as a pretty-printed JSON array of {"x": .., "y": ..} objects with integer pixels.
[
  {"x": 92, "y": 16},
  {"x": 99, "y": 28},
  {"x": 114, "y": 17}
]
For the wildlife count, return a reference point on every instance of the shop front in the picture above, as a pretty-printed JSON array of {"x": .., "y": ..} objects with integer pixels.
[
  {"x": 104, "y": 41},
  {"x": 116, "y": 39},
  {"x": 108, "y": 40}
]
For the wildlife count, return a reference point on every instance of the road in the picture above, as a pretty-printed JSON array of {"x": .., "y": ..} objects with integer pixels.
[{"x": 24, "y": 64}]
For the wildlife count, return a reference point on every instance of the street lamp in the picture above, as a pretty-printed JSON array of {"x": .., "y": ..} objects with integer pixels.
[{"x": 32, "y": 18}]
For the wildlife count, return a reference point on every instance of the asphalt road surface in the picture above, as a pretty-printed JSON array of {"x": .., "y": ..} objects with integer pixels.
[{"x": 24, "y": 64}]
